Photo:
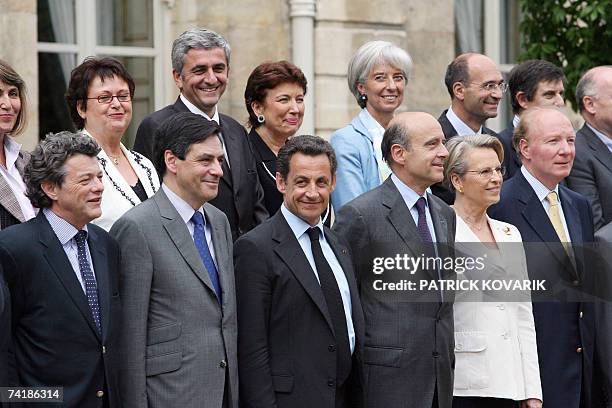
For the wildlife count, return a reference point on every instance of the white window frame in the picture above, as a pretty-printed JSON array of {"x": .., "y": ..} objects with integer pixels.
[{"x": 86, "y": 43}]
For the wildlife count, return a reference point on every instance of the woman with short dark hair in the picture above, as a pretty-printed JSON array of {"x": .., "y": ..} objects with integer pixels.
[
  {"x": 100, "y": 101},
  {"x": 14, "y": 205}
]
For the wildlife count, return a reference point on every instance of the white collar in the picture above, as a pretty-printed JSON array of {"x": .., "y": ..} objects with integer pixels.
[
  {"x": 194, "y": 109},
  {"x": 460, "y": 126}
]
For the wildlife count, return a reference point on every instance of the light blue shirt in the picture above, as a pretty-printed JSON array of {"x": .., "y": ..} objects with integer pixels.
[
  {"x": 460, "y": 126},
  {"x": 605, "y": 139},
  {"x": 410, "y": 198},
  {"x": 542, "y": 191},
  {"x": 299, "y": 228},
  {"x": 65, "y": 232},
  {"x": 186, "y": 212}
]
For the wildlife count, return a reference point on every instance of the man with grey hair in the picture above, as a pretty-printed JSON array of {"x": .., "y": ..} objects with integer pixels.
[
  {"x": 62, "y": 276},
  {"x": 408, "y": 349},
  {"x": 591, "y": 174},
  {"x": 200, "y": 67},
  {"x": 476, "y": 87}
]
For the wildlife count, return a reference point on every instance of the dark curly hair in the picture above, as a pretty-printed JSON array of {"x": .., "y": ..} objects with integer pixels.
[
  {"x": 82, "y": 77},
  {"x": 47, "y": 163},
  {"x": 307, "y": 145},
  {"x": 266, "y": 76}
]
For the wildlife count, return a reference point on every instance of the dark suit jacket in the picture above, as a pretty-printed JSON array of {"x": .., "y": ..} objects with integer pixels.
[
  {"x": 5, "y": 329},
  {"x": 266, "y": 162},
  {"x": 286, "y": 345},
  {"x": 592, "y": 175},
  {"x": 409, "y": 347},
  {"x": 55, "y": 340},
  {"x": 240, "y": 194},
  {"x": 512, "y": 162},
  {"x": 440, "y": 189},
  {"x": 562, "y": 324}
]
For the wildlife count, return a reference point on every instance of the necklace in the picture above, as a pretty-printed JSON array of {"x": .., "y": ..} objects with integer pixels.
[{"x": 115, "y": 159}]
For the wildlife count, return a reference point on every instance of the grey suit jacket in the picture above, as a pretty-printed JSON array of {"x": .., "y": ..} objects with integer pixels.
[
  {"x": 7, "y": 197},
  {"x": 179, "y": 344},
  {"x": 409, "y": 343},
  {"x": 591, "y": 175}
]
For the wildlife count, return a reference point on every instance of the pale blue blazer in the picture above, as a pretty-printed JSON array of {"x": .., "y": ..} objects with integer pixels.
[{"x": 357, "y": 170}]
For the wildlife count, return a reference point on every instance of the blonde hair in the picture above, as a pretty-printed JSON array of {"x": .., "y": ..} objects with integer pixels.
[{"x": 458, "y": 147}]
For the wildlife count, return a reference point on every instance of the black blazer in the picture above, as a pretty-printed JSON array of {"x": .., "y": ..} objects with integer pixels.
[
  {"x": 266, "y": 171},
  {"x": 440, "y": 189},
  {"x": 512, "y": 162},
  {"x": 286, "y": 345},
  {"x": 592, "y": 175},
  {"x": 5, "y": 329},
  {"x": 55, "y": 340},
  {"x": 240, "y": 194},
  {"x": 561, "y": 326}
]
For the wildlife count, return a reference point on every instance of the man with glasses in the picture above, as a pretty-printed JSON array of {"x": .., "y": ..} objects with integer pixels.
[
  {"x": 532, "y": 83},
  {"x": 476, "y": 87}
]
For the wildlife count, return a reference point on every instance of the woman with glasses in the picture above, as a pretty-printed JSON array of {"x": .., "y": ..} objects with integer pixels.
[
  {"x": 15, "y": 207},
  {"x": 495, "y": 341},
  {"x": 99, "y": 97},
  {"x": 274, "y": 99},
  {"x": 377, "y": 76}
]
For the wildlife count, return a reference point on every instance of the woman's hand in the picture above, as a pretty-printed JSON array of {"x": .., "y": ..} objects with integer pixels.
[{"x": 531, "y": 403}]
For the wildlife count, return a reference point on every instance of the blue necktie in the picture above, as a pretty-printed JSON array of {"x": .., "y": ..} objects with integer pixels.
[
  {"x": 199, "y": 238},
  {"x": 91, "y": 288},
  {"x": 422, "y": 221}
]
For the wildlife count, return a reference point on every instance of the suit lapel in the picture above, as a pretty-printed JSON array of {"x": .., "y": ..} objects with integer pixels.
[
  {"x": 98, "y": 258},
  {"x": 219, "y": 242},
  {"x": 289, "y": 250},
  {"x": 179, "y": 235},
  {"x": 447, "y": 128},
  {"x": 9, "y": 201},
  {"x": 60, "y": 265},
  {"x": 231, "y": 172},
  {"x": 600, "y": 150}
]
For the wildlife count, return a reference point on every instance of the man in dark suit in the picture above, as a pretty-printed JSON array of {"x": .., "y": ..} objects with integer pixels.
[
  {"x": 200, "y": 66},
  {"x": 592, "y": 171},
  {"x": 532, "y": 83},
  {"x": 5, "y": 329},
  {"x": 476, "y": 87},
  {"x": 62, "y": 275},
  {"x": 408, "y": 353},
  {"x": 300, "y": 323},
  {"x": 178, "y": 342},
  {"x": 554, "y": 223}
]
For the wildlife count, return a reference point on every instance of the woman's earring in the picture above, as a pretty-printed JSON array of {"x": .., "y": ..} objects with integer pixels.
[
  {"x": 261, "y": 118},
  {"x": 460, "y": 190},
  {"x": 363, "y": 98}
]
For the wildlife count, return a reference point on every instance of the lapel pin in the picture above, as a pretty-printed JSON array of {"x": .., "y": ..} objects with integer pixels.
[{"x": 507, "y": 230}]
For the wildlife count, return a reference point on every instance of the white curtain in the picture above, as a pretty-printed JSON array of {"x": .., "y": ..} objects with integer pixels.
[
  {"x": 105, "y": 16},
  {"x": 468, "y": 25},
  {"x": 62, "y": 19}
]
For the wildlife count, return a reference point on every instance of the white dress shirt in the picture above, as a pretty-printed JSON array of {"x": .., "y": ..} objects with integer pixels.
[
  {"x": 460, "y": 126},
  {"x": 410, "y": 198}
]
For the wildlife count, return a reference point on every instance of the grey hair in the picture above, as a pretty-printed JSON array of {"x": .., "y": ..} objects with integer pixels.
[
  {"x": 459, "y": 146},
  {"x": 587, "y": 86},
  {"x": 48, "y": 159},
  {"x": 197, "y": 38},
  {"x": 395, "y": 134},
  {"x": 372, "y": 53}
]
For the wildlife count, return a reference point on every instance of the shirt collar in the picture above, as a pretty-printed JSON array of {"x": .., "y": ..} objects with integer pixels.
[
  {"x": 370, "y": 123},
  {"x": 62, "y": 228},
  {"x": 194, "y": 109},
  {"x": 409, "y": 195},
  {"x": 298, "y": 226},
  {"x": 540, "y": 189},
  {"x": 459, "y": 125},
  {"x": 605, "y": 139},
  {"x": 11, "y": 151},
  {"x": 516, "y": 120},
  {"x": 182, "y": 207}
]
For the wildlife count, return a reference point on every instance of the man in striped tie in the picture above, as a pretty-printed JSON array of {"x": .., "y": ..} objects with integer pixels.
[{"x": 62, "y": 273}]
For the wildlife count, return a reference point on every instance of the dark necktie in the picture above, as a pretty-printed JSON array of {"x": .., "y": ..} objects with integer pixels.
[
  {"x": 199, "y": 238},
  {"x": 422, "y": 223},
  {"x": 91, "y": 288},
  {"x": 335, "y": 307}
]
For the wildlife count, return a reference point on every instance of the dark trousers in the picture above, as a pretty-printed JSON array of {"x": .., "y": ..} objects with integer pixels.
[{"x": 483, "y": 402}]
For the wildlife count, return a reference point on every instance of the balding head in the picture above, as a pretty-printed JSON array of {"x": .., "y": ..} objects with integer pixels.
[
  {"x": 413, "y": 147},
  {"x": 594, "y": 96}
]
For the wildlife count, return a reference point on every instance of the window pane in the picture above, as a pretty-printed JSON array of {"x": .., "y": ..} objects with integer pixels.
[
  {"x": 56, "y": 21},
  {"x": 125, "y": 23},
  {"x": 141, "y": 69},
  {"x": 510, "y": 34},
  {"x": 468, "y": 26},
  {"x": 53, "y": 77}
]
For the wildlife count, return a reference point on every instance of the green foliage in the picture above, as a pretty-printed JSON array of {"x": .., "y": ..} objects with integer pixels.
[{"x": 573, "y": 34}]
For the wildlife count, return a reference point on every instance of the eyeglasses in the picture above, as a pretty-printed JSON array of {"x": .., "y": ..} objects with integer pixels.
[
  {"x": 105, "y": 99},
  {"x": 487, "y": 174},
  {"x": 492, "y": 86}
]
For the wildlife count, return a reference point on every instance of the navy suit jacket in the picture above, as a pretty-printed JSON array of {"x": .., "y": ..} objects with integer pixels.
[
  {"x": 55, "y": 341},
  {"x": 240, "y": 194},
  {"x": 564, "y": 326},
  {"x": 512, "y": 162}
]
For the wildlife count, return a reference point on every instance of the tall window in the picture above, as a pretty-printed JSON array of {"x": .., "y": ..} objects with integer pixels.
[{"x": 71, "y": 30}]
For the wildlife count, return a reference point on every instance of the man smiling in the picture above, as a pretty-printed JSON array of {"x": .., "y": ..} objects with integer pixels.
[{"x": 200, "y": 67}]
